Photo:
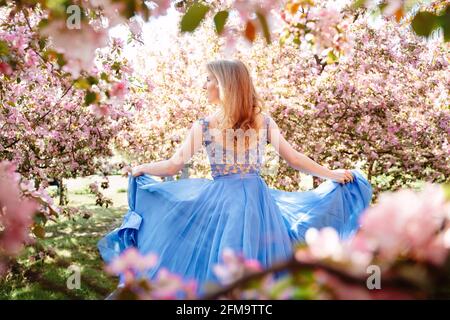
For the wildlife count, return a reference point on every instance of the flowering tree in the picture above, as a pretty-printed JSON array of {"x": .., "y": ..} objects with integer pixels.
[
  {"x": 23, "y": 209},
  {"x": 48, "y": 129},
  {"x": 375, "y": 107},
  {"x": 379, "y": 107},
  {"x": 78, "y": 28}
]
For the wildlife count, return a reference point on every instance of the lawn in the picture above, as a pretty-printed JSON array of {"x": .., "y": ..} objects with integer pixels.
[{"x": 72, "y": 242}]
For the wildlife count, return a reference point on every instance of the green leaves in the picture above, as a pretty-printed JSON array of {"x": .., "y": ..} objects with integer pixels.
[
  {"x": 195, "y": 14},
  {"x": 85, "y": 83},
  {"x": 265, "y": 26},
  {"x": 91, "y": 97},
  {"x": 358, "y": 4},
  {"x": 446, "y": 187},
  {"x": 51, "y": 54},
  {"x": 445, "y": 23},
  {"x": 331, "y": 57},
  {"x": 219, "y": 20},
  {"x": 424, "y": 23},
  {"x": 39, "y": 231},
  {"x": 57, "y": 5},
  {"x": 4, "y": 49}
]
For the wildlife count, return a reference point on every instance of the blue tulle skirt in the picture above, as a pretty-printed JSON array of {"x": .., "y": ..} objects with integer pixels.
[{"x": 189, "y": 222}]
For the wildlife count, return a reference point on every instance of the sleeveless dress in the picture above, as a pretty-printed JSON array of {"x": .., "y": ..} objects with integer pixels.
[{"x": 189, "y": 222}]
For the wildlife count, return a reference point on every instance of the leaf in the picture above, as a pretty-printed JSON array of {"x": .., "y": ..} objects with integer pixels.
[
  {"x": 195, "y": 14},
  {"x": 250, "y": 31},
  {"x": 219, "y": 20},
  {"x": 39, "y": 218},
  {"x": 306, "y": 3},
  {"x": 447, "y": 32},
  {"x": 358, "y": 4},
  {"x": 104, "y": 76},
  {"x": 280, "y": 286},
  {"x": 446, "y": 187},
  {"x": 39, "y": 231},
  {"x": 92, "y": 80},
  {"x": 331, "y": 57},
  {"x": 82, "y": 83},
  {"x": 53, "y": 55},
  {"x": 265, "y": 26},
  {"x": 90, "y": 97},
  {"x": 424, "y": 23},
  {"x": 4, "y": 49},
  {"x": 60, "y": 60},
  {"x": 42, "y": 43},
  {"x": 43, "y": 24},
  {"x": 399, "y": 14},
  {"x": 444, "y": 21},
  {"x": 292, "y": 7},
  {"x": 57, "y": 6},
  {"x": 383, "y": 5}
]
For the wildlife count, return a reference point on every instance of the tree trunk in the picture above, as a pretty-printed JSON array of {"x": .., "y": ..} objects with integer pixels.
[
  {"x": 369, "y": 173},
  {"x": 62, "y": 191}
]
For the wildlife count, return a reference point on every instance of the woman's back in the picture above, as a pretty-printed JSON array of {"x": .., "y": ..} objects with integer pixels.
[{"x": 234, "y": 151}]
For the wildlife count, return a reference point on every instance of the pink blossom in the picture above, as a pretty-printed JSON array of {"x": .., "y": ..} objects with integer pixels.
[
  {"x": 130, "y": 263},
  {"x": 16, "y": 215},
  {"x": 135, "y": 26},
  {"x": 324, "y": 244},
  {"x": 234, "y": 266},
  {"x": 161, "y": 8},
  {"x": 119, "y": 89},
  {"x": 167, "y": 284},
  {"x": 5, "y": 68},
  {"x": 78, "y": 45},
  {"x": 101, "y": 110},
  {"x": 395, "y": 229}
]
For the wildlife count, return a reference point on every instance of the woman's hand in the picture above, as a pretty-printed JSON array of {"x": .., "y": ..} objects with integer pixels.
[
  {"x": 342, "y": 176},
  {"x": 134, "y": 171},
  {"x": 126, "y": 170}
]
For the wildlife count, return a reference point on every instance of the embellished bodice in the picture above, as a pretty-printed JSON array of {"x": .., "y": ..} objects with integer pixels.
[{"x": 236, "y": 151}]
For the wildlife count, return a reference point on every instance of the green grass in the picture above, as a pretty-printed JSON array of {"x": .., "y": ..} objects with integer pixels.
[
  {"x": 82, "y": 191},
  {"x": 73, "y": 241}
]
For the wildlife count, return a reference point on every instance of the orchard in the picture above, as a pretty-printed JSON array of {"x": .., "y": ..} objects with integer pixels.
[{"x": 91, "y": 87}]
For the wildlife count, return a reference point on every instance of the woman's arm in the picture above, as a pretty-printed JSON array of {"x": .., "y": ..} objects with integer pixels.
[
  {"x": 301, "y": 162},
  {"x": 172, "y": 166}
]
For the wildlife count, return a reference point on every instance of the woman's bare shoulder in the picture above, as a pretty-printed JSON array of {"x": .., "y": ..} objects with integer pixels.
[
  {"x": 266, "y": 114},
  {"x": 212, "y": 118}
]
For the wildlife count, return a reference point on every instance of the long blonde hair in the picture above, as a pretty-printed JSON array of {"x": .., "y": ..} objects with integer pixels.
[{"x": 241, "y": 103}]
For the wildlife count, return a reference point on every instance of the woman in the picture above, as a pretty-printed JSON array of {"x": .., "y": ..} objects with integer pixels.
[{"x": 189, "y": 222}]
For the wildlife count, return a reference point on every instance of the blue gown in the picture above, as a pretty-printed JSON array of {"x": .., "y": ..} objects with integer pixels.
[{"x": 189, "y": 222}]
